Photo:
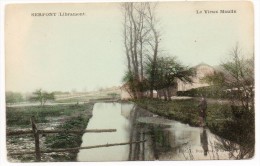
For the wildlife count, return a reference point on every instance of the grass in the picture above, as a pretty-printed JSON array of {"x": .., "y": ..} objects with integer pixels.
[
  {"x": 65, "y": 140},
  {"x": 185, "y": 111},
  {"x": 77, "y": 117},
  {"x": 20, "y": 116}
]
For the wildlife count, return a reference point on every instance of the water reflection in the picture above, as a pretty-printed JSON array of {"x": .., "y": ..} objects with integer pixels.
[
  {"x": 106, "y": 116},
  {"x": 236, "y": 151},
  {"x": 204, "y": 142},
  {"x": 165, "y": 139}
]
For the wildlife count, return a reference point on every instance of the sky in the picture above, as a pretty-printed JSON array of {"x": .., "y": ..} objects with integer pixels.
[{"x": 87, "y": 53}]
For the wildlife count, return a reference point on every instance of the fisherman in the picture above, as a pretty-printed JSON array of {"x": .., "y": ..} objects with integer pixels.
[{"x": 202, "y": 111}]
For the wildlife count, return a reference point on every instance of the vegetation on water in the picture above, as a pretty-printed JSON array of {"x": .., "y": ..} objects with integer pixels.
[{"x": 66, "y": 140}]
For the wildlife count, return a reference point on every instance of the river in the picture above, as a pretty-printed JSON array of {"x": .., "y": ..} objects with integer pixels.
[{"x": 165, "y": 139}]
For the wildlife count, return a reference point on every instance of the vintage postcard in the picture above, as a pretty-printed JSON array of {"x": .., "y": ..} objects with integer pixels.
[{"x": 130, "y": 81}]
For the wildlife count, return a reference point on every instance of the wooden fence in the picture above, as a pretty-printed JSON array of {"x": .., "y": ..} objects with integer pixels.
[{"x": 37, "y": 132}]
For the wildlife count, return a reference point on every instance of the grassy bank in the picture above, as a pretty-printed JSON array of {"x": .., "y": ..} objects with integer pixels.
[
  {"x": 233, "y": 124},
  {"x": 68, "y": 117},
  {"x": 186, "y": 111},
  {"x": 20, "y": 116}
]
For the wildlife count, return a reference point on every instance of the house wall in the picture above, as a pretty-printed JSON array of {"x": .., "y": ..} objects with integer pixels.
[
  {"x": 125, "y": 95},
  {"x": 202, "y": 70}
]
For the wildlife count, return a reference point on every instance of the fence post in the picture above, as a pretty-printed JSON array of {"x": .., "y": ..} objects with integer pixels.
[
  {"x": 143, "y": 145},
  {"x": 36, "y": 139}
]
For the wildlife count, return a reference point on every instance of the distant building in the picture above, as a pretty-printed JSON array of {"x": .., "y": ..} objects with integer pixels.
[
  {"x": 201, "y": 70},
  {"x": 126, "y": 93}
]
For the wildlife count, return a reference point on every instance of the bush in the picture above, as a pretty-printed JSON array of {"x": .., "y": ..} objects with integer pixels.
[{"x": 209, "y": 91}]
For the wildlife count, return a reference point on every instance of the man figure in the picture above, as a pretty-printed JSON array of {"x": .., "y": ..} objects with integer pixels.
[{"x": 202, "y": 111}]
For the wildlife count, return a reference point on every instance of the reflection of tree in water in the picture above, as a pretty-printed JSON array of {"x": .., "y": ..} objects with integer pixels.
[
  {"x": 239, "y": 134},
  {"x": 158, "y": 137},
  {"x": 204, "y": 141},
  {"x": 136, "y": 151},
  {"x": 235, "y": 151},
  {"x": 160, "y": 141}
]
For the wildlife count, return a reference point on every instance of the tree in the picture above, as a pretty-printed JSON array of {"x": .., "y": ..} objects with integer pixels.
[
  {"x": 42, "y": 96},
  {"x": 113, "y": 95},
  {"x": 14, "y": 97},
  {"x": 236, "y": 78},
  {"x": 141, "y": 38},
  {"x": 216, "y": 81},
  {"x": 240, "y": 77},
  {"x": 168, "y": 70}
]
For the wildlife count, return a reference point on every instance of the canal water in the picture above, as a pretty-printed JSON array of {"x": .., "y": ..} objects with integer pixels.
[{"x": 165, "y": 139}]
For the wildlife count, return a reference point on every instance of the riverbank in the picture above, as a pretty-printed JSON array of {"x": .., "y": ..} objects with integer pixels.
[
  {"x": 233, "y": 124},
  {"x": 186, "y": 111},
  {"x": 65, "y": 117}
]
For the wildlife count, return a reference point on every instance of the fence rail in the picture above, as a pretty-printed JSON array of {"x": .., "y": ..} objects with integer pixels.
[
  {"x": 78, "y": 148},
  {"x": 23, "y": 132},
  {"x": 37, "y": 132}
]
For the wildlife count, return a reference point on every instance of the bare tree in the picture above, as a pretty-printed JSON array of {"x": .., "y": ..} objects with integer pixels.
[
  {"x": 155, "y": 45},
  {"x": 236, "y": 78},
  {"x": 140, "y": 38},
  {"x": 240, "y": 78},
  {"x": 236, "y": 81}
]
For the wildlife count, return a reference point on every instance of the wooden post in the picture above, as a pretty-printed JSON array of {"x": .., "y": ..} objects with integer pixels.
[
  {"x": 143, "y": 146},
  {"x": 36, "y": 139}
]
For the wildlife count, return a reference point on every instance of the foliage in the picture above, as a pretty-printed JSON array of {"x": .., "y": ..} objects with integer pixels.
[
  {"x": 168, "y": 71},
  {"x": 20, "y": 116},
  {"x": 129, "y": 83},
  {"x": 216, "y": 79},
  {"x": 14, "y": 97},
  {"x": 236, "y": 78},
  {"x": 208, "y": 91},
  {"x": 66, "y": 140},
  {"x": 182, "y": 110},
  {"x": 113, "y": 95},
  {"x": 42, "y": 96},
  {"x": 76, "y": 118}
]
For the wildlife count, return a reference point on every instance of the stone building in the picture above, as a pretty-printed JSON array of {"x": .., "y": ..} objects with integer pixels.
[{"x": 201, "y": 71}]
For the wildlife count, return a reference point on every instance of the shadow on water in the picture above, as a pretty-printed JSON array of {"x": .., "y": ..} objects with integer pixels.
[{"x": 165, "y": 139}]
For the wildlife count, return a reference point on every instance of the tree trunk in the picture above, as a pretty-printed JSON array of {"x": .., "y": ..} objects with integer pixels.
[
  {"x": 165, "y": 95},
  {"x": 151, "y": 93},
  {"x": 168, "y": 93}
]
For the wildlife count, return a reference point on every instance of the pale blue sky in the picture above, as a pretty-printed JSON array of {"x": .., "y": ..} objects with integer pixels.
[{"x": 65, "y": 53}]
